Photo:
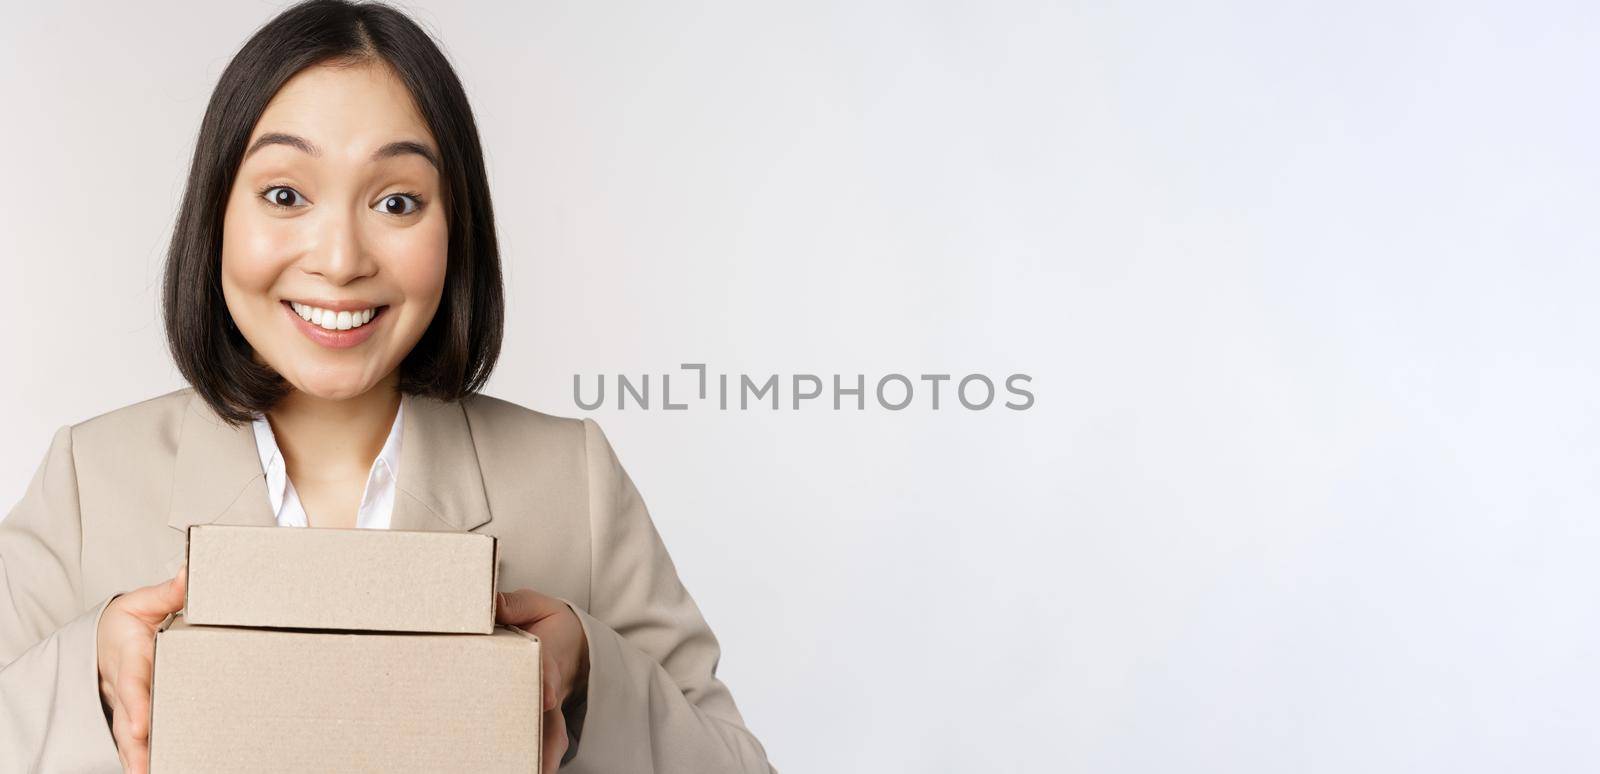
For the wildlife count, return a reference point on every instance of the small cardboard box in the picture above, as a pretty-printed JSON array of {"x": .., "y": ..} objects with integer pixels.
[
  {"x": 248, "y": 700},
  {"x": 358, "y": 579}
]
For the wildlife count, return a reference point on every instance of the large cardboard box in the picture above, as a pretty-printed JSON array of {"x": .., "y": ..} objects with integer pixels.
[
  {"x": 261, "y": 700},
  {"x": 359, "y": 579}
]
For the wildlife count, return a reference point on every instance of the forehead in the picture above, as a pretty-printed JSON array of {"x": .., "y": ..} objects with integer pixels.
[{"x": 345, "y": 108}]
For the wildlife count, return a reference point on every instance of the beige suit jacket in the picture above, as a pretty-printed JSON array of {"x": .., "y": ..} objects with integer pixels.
[{"x": 108, "y": 510}]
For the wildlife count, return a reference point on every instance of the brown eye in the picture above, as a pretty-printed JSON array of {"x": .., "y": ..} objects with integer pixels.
[
  {"x": 283, "y": 196},
  {"x": 399, "y": 204}
]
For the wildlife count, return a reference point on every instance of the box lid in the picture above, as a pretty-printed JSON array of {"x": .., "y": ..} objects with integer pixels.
[{"x": 356, "y": 579}]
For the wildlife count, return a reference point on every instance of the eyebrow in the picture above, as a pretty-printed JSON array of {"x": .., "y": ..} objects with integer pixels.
[
  {"x": 279, "y": 138},
  {"x": 404, "y": 147},
  {"x": 389, "y": 151}
]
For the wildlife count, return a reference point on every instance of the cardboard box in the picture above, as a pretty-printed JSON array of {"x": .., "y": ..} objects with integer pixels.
[
  {"x": 246, "y": 700},
  {"x": 358, "y": 579}
]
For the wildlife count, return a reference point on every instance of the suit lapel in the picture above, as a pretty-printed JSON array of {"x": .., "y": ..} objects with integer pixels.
[
  {"x": 217, "y": 476},
  {"x": 441, "y": 485}
]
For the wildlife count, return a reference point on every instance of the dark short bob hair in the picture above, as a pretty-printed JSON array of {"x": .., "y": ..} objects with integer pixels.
[{"x": 460, "y": 346}]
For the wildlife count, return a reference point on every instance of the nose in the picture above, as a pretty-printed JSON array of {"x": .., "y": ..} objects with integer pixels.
[{"x": 339, "y": 254}]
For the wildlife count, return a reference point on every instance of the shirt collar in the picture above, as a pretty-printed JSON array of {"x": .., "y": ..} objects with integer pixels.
[
  {"x": 271, "y": 462},
  {"x": 388, "y": 457}
]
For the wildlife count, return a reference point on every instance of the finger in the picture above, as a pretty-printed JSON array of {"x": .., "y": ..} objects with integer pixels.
[
  {"x": 550, "y": 688},
  {"x": 119, "y": 735},
  {"x": 525, "y": 606},
  {"x": 133, "y": 753},
  {"x": 138, "y": 761},
  {"x": 154, "y": 603},
  {"x": 133, "y": 694},
  {"x": 555, "y": 742}
]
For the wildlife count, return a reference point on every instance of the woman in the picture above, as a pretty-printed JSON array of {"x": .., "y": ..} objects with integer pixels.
[{"x": 333, "y": 297}]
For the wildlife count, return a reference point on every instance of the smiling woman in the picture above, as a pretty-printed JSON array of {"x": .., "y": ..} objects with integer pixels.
[{"x": 333, "y": 297}]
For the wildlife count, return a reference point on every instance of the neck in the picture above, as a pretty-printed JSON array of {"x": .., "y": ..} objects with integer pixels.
[{"x": 322, "y": 438}]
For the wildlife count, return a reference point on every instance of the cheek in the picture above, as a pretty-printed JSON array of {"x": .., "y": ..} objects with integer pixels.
[
  {"x": 419, "y": 257},
  {"x": 253, "y": 256}
]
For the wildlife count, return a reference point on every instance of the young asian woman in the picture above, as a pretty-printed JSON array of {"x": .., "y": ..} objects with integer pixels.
[{"x": 333, "y": 297}]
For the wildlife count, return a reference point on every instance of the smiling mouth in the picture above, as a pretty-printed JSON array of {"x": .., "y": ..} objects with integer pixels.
[{"x": 335, "y": 320}]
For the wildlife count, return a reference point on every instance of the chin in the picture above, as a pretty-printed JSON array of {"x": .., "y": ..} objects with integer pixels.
[{"x": 333, "y": 386}]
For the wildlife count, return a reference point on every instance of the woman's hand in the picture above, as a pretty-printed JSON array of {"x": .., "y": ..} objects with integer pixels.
[
  {"x": 565, "y": 653},
  {"x": 125, "y": 649}
]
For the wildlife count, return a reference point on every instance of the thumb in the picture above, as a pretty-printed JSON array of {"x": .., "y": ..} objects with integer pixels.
[
  {"x": 153, "y": 603},
  {"x": 525, "y": 606}
]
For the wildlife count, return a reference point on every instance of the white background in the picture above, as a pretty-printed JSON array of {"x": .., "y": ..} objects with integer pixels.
[{"x": 1307, "y": 292}]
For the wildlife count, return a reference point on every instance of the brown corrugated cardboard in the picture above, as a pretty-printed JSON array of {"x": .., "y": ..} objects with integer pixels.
[
  {"x": 248, "y": 700},
  {"x": 360, "y": 579}
]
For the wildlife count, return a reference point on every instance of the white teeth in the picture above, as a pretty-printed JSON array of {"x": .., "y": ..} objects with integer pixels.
[{"x": 331, "y": 320}]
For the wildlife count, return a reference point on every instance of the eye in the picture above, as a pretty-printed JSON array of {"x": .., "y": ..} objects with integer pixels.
[
  {"x": 399, "y": 204},
  {"x": 283, "y": 196}
]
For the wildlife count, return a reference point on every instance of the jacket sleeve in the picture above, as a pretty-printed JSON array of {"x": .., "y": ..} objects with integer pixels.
[
  {"x": 50, "y": 713},
  {"x": 654, "y": 703}
]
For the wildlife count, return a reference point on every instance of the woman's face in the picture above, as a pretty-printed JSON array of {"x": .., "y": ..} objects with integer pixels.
[{"x": 334, "y": 241}]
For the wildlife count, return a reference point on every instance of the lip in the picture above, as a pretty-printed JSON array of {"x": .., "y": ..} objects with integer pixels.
[{"x": 335, "y": 339}]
